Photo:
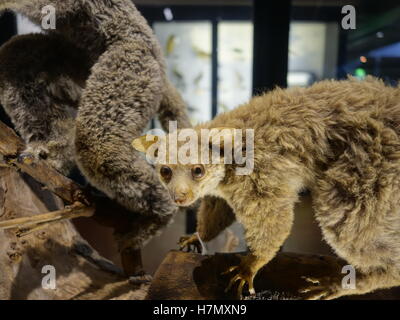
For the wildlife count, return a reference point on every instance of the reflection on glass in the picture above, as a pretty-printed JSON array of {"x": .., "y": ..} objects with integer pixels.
[
  {"x": 235, "y": 59},
  {"x": 313, "y": 50},
  {"x": 187, "y": 49}
]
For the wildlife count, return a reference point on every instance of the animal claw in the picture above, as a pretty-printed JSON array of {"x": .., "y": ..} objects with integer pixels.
[
  {"x": 191, "y": 243},
  {"x": 320, "y": 289},
  {"x": 230, "y": 270},
  {"x": 232, "y": 282},
  {"x": 245, "y": 274},
  {"x": 312, "y": 280}
]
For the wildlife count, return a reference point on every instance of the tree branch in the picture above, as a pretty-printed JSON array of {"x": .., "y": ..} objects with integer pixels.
[
  {"x": 31, "y": 223},
  {"x": 11, "y": 147}
]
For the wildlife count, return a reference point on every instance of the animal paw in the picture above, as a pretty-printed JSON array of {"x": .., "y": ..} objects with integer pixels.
[
  {"x": 58, "y": 155},
  {"x": 191, "y": 243},
  {"x": 245, "y": 273},
  {"x": 324, "y": 288},
  {"x": 34, "y": 151}
]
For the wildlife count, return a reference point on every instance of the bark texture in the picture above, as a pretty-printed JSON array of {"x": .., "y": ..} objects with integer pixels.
[{"x": 81, "y": 273}]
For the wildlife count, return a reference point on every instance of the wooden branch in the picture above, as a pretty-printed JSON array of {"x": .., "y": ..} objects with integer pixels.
[
  {"x": 10, "y": 144},
  {"x": 27, "y": 225},
  {"x": 11, "y": 147}
]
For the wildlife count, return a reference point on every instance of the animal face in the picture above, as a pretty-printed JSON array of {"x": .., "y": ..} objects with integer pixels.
[
  {"x": 188, "y": 168},
  {"x": 187, "y": 183}
]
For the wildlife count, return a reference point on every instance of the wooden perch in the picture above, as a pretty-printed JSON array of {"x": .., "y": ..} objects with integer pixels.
[
  {"x": 11, "y": 147},
  {"x": 27, "y": 224},
  {"x": 190, "y": 276},
  {"x": 10, "y": 143}
]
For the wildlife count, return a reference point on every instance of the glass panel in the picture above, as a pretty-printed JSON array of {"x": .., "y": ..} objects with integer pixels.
[
  {"x": 187, "y": 49},
  {"x": 311, "y": 56},
  {"x": 235, "y": 59},
  {"x": 25, "y": 26}
]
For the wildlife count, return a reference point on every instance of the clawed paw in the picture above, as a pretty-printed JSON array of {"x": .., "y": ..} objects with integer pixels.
[
  {"x": 52, "y": 155},
  {"x": 245, "y": 273},
  {"x": 191, "y": 243},
  {"x": 320, "y": 289},
  {"x": 35, "y": 151},
  {"x": 26, "y": 158}
]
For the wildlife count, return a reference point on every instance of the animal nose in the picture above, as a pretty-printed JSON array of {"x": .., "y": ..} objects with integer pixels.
[{"x": 180, "y": 197}]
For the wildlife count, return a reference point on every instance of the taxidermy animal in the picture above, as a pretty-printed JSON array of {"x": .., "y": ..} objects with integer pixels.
[
  {"x": 340, "y": 140},
  {"x": 81, "y": 92}
]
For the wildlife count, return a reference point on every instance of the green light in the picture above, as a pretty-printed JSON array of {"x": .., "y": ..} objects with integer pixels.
[{"x": 360, "y": 73}]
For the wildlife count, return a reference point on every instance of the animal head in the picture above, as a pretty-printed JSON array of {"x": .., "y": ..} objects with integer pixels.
[{"x": 190, "y": 163}]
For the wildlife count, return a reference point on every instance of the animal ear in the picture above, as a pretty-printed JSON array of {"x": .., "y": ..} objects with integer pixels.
[{"x": 143, "y": 143}]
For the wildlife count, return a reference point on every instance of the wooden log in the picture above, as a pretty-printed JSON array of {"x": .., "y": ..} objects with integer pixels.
[{"x": 184, "y": 276}]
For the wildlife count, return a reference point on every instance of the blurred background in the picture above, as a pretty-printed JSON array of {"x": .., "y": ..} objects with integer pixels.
[{"x": 221, "y": 52}]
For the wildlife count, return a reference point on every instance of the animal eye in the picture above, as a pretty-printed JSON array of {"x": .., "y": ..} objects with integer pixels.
[
  {"x": 156, "y": 153},
  {"x": 198, "y": 172},
  {"x": 166, "y": 172}
]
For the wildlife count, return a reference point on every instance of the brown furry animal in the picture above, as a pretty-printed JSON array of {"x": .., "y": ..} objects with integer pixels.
[
  {"x": 103, "y": 65},
  {"x": 340, "y": 140}
]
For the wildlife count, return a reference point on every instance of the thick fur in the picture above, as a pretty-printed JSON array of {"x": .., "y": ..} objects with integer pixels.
[
  {"x": 40, "y": 92},
  {"x": 103, "y": 63},
  {"x": 339, "y": 139}
]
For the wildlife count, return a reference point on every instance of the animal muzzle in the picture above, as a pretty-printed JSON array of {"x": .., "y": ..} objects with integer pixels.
[{"x": 182, "y": 198}]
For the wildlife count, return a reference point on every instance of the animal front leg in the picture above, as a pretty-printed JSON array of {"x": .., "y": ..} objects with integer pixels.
[
  {"x": 245, "y": 272},
  {"x": 267, "y": 224}
]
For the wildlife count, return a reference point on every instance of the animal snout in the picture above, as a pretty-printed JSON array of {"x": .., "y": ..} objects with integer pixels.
[{"x": 181, "y": 197}]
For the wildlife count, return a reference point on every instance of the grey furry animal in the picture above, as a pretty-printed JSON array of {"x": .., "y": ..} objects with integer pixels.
[{"x": 82, "y": 92}]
